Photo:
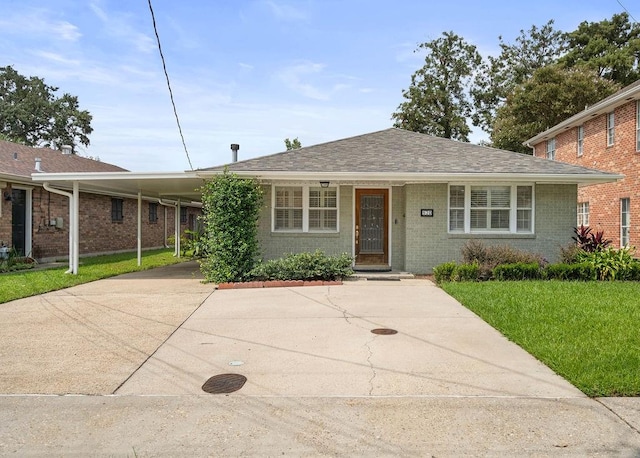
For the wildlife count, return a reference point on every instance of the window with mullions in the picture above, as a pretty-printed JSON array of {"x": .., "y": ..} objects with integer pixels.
[
  {"x": 580, "y": 143},
  {"x": 305, "y": 209},
  {"x": 153, "y": 212},
  {"x": 323, "y": 209},
  {"x": 625, "y": 221},
  {"x": 551, "y": 149},
  {"x": 116, "y": 210},
  {"x": 611, "y": 129},
  {"x": 583, "y": 214},
  {"x": 504, "y": 208},
  {"x": 288, "y": 208}
]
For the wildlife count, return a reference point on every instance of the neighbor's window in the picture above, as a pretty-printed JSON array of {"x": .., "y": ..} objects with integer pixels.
[
  {"x": 116, "y": 210},
  {"x": 183, "y": 215},
  {"x": 583, "y": 214},
  {"x": 305, "y": 209},
  {"x": 580, "y": 142},
  {"x": 625, "y": 221},
  {"x": 506, "y": 208},
  {"x": 153, "y": 212},
  {"x": 551, "y": 149},
  {"x": 611, "y": 128}
]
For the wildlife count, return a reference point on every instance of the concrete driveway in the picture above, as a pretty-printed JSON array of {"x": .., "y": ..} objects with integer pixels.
[{"x": 116, "y": 367}]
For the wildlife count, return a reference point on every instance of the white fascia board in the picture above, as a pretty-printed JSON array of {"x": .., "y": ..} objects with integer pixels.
[
  {"x": 427, "y": 178},
  {"x": 599, "y": 108},
  {"x": 101, "y": 176}
]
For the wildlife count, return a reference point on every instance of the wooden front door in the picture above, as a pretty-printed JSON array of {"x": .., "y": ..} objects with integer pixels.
[{"x": 372, "y": 227}]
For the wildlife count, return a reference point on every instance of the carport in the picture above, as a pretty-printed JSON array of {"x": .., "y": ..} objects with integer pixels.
[{"x": 172, "y": 189}]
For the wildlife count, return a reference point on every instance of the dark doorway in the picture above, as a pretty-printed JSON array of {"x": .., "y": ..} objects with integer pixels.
[{"x": 19, "y": 220}]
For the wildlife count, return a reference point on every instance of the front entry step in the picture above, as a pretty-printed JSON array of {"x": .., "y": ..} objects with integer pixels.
[{"x": 371, "y": 268}]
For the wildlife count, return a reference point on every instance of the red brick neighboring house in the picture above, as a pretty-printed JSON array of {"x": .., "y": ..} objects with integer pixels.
[
  {"x": 35, "y": 222},
  {"x": 605, "y": 136}
]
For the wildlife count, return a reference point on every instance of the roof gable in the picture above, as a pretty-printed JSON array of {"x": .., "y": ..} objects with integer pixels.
[
  {"x": 401, "y": 151},
  {"x": 20, "y": 160}
]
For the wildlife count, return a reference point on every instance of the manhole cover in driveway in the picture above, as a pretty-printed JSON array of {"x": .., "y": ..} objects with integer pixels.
[
  {"x": 224, "y": 383},
  {"x": 384, "y": 331}
]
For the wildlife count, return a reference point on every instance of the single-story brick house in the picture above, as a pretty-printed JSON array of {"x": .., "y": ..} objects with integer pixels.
[
  {"x": 394, "y": 199},
  {"x": 35, "y": 217}
]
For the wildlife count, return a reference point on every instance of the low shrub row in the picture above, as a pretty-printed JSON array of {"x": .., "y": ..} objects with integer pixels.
[
  {"x": 304, "y": 266},
  {"x": 582, "y": 271}
]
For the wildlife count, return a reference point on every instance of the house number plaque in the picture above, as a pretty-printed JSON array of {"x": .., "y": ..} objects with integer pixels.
[{"x": 426, "y": 212}]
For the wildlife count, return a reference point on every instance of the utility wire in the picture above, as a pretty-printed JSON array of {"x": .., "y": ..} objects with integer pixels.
[
  {"x": 630, "y": 15},
  {"x": 166, "y": 74}
]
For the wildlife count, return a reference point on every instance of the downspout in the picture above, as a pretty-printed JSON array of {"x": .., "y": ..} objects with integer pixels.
[
  {"x": 139, "y": 228},
  {"x": 71, "y": 213},
  {"x": 166, "y": 221}
]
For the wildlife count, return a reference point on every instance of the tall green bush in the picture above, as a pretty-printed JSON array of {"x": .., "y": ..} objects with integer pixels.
[{"x": 231, "y": 207}]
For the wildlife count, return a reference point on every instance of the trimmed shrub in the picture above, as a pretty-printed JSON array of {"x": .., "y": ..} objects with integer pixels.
[
  {"x": 517, "y": 271},
  {"x": 578, "y": 271},
  {"x": 444, "y": 272},
  {"x": 466, "y": 272},
  {"x": 488, "y": 257},
  {"x": 230, "y": 207},
  {"x": 305, "y": 266}
]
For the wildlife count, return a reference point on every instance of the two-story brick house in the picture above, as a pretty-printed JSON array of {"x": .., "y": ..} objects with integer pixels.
[
  {"x": 34, "y": 221},
  {"x": 605, "y": 136}
]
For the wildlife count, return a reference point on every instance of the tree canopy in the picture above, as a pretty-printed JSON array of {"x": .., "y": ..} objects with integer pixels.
[
  {"x": 437, "y": 101},
  {"x": 31, "y": 114},
  {"x": 292, "y": 144},
  {"x": 542, "y": 78},
  {"x": 553, "y": 94}
]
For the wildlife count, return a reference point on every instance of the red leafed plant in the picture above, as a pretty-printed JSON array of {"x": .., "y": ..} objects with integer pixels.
[{"x": 588, "y": 241}]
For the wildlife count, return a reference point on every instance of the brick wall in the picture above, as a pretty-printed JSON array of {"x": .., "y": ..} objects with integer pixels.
[
  {"x": 274, "y": 245},
  {"x": 98, "y": 233},
  {"x": 430, "y": 244},
  {"x": 621, "y": 157}
]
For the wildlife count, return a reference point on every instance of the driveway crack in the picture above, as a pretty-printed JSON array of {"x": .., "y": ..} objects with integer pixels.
[{"x": 373, "y": 369}]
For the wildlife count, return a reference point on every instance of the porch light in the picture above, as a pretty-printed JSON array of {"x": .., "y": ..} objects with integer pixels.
[{"x": 324, "y": 184}]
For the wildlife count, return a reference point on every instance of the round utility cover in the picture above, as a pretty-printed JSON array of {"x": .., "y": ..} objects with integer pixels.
[{"x": 224, "y": 383}]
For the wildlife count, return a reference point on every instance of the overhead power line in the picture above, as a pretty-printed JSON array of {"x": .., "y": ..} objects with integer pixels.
[
  {"x": 166, "y": 74},
  {"x": 623, "y": 7}
]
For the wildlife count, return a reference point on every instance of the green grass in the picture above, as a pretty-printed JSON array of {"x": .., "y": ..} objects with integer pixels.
[
  {"x": 587, "y": 332},
  {"x": 16, "y": 285}
]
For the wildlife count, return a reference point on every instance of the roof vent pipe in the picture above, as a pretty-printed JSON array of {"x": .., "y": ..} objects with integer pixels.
[
  {"x": 38, "y": 161},
  {"x": 234, "y": 148},
  {"x": 66, "y": 149}
]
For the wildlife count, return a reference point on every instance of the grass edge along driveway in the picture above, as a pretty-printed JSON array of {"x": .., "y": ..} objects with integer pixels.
[
  {"x": 26, "y": 283},
  {"x": 587, "y": 332}
]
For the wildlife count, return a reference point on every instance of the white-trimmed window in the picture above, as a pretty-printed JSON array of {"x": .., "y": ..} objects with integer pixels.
[
  {"x": 611, "y": 128},
  {"x": 625, "y": 221},
  {"x": 495, "y": 208},
  {"x": 580, "y": 142},
  {"x": 551, "y": 149},
  {"x": 305, "y": 209},
  {"x": 583, "y": 214},
  {"x": 638, "y": 125}
]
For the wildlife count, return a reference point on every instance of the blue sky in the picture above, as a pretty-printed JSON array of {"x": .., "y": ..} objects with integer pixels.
[{"x": 252, "y": 72}]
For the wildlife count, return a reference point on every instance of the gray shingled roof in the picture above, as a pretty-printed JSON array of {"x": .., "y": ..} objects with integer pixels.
[
  {"x": 401, "y": 151},
  {"x": 19, "y": 160}
]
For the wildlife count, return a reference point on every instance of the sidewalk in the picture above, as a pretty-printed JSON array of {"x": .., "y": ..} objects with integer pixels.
[{"x": 318, "y": 381}]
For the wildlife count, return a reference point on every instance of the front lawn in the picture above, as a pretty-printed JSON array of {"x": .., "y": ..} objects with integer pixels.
[
  {"x": 587, "y": 332},
  {"x": 16, "y": 285}
]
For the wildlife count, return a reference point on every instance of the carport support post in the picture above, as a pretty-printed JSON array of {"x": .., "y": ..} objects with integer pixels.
[
  {"x": 177, "y": 218},
  {"x": 139, "y": 228},
  {"x": 75, "y": 227}
]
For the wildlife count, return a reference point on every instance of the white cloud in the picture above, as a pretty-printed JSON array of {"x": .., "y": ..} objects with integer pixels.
[
  {"x": 286, "y": 12},
  {"x": 38, "y": 23},
  {"x": 119, "y": 27}
]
